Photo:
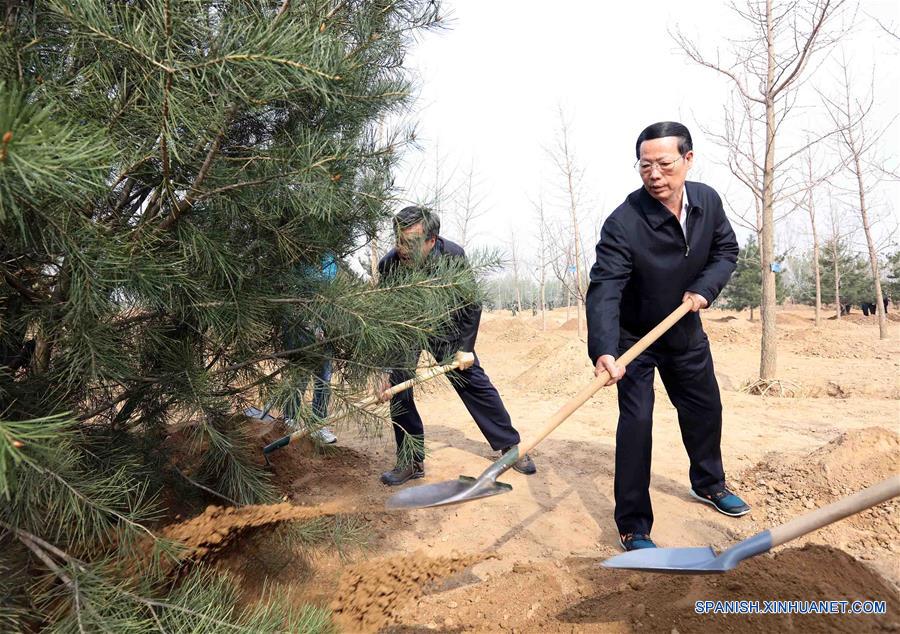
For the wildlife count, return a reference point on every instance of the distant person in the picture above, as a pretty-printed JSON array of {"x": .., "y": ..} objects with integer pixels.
[
  {"x": 418, "y": 244},
  {"x": 670, "y": 241},
  {"x": 297, "y": 336},
  {"x": 886, "y": 300}
]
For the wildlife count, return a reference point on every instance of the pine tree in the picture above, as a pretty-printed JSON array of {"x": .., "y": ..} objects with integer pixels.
[
  {"x": 744, "y": 290},
  {"x": 171, "y": 174},
  {"x": 745, "y": 287},
  {"x": 855, "y": 277},
  {"x": 892, "y": 273}
]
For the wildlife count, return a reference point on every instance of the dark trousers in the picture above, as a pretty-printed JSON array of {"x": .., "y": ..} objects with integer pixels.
[
  {"x": 691, "y": 384},
  {"x": 293, "y": 337},
  {"x": 479, "y": 396}
]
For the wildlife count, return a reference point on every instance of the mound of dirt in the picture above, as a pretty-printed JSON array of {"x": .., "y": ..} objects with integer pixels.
[
  {"x": 563, "y": 370},
  {"x": 576, "y": 594},
  {"x": 791, "y": 319},
  {"x": 731, "y": 332},
  {"x": 665, "y": 603},
  {"x": 370, "y": 594},
  {"x": 217, "y": 526},
  {"x": 785, "y": 488},
  {"x": 572, "y": 324},
  {"x": 517, "y": 332}
]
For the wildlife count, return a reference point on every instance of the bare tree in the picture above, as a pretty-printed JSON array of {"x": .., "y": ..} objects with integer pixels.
[
  {"x": 768, "y": 65},
  {"x": 858, "y": 139},
  {"x": 542, "y": 231},
  {"x": 514, "y": 259},
  {"x": 814, "y": 173},
  {"x": 835, "y": 262},
  {"x": 811, "y": 210},
  {"x": 469, "y": 208},
  {"x": 891, "y": 30},
  {"x": 564, "y": 158}
]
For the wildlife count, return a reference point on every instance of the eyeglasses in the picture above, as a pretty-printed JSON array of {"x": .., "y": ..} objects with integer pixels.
[{"x": 666, "y": 166}]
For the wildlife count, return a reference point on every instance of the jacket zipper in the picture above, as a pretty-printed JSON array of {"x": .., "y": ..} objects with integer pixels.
[{"x": 687, "y": 219}]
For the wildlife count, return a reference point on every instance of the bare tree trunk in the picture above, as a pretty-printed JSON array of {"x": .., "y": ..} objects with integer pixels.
[
  {"x": 818, "y": 274},
  {"x": 851, "y": 116},
  {"x": 837, "y": 277},
  {"x": 543, "y": 300},
  {"x": 576, "y": 236},
  {"x": 768, "y": 346},
  {"x": 565, "y": 161},
  {"x": 470, "y": 210},
  {"x": 373, "y": 260},
  {"x": 815, "y": 236},
  {"x": 514, "y": 254},
  {"x": 542, "y": 255},
  {"x": 873, "y": 255}
]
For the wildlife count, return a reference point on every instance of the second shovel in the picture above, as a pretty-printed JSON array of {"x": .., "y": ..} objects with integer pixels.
[{"x": 465, "y": 489}]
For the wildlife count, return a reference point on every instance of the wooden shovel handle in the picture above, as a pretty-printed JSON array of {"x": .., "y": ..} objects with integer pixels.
[
  {"x": 427, "y": 375},
  {"x": 875, "y": 494},
  {"x": 594, "y": 386}
]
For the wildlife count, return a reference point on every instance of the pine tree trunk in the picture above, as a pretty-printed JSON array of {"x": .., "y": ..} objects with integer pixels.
[{"x": 768, "y": 345}]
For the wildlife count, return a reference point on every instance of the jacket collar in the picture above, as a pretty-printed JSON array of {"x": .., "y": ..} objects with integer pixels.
[{"x": 654, "y": 211}]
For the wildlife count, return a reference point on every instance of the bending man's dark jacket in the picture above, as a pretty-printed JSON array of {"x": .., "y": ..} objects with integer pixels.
[
  {"x": 466, "y": 319},
  {"x": 644, "y": 266}
]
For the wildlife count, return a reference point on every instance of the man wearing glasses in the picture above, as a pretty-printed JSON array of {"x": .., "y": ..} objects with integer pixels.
[
  {"x": 668, "y": 242},
  {"x": 418, "y": 245}
]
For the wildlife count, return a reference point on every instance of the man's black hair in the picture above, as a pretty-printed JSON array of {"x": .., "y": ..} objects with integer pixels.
[
  {"x": 663, "y": 129},
  {"x": 413, "y": 215}
]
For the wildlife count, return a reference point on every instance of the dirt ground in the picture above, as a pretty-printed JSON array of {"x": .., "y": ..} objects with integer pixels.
[{"x": 528, "y": 561}]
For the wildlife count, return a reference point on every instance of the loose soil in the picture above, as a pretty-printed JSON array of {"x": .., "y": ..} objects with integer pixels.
[
  {"x": 528, "y": 560},
  {"x": 370, "y": 595}
]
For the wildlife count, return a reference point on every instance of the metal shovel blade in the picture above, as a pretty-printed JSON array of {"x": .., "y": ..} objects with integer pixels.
[
  {"x": 683, "y": 560},
  {"x": 691, "y": 561},
  {"x": 445, "y": 493},
  {"x": 463, "y": 489}
]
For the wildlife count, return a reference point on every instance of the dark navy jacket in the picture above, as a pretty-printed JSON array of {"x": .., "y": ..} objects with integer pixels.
[
  {"x": 465, "y": 320},
  {"x": 644, "y": 266}
]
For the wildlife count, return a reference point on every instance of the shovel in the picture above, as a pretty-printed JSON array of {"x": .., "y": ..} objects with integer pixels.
[
  {"x": 427, "y": 375},
  {"x": 705, "y": 561},
  {"x": 466, "y": 488}
]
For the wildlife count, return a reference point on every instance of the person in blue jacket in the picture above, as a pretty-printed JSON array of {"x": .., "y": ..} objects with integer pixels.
[{"x": 297, "y": 336}]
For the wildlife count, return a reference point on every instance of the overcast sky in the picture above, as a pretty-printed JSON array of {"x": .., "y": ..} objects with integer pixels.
[{"x": 492, "y": 84}]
